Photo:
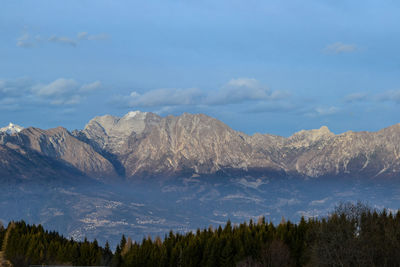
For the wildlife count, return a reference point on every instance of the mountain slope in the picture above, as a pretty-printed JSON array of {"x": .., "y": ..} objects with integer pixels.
[
  {"x": 59, "y": 145},
  {"x": 368, "y": 154},
  {"x": 203, "y": 145},
  {"x": 142, "y": 144},
  {"x": 19, "y": 165}
]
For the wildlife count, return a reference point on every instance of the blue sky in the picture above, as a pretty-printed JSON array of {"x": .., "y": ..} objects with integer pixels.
[{"x": 259, "y": 66}]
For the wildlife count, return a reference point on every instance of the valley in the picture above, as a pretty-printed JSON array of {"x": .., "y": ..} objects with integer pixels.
[{"x": 142, "y": 209}]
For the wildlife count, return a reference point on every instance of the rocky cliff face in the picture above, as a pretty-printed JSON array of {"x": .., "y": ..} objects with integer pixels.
[
  {"x": 19, "y": 164},
  {"x": 58, "y": 145},
  {"x": 141, "y": 144},
  {"x": 146, "y": 143}
]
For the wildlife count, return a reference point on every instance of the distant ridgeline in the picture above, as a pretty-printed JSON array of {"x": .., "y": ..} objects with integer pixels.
[
  {"x": 144, "y": 145},
  {"x": 354, "y": 235}
]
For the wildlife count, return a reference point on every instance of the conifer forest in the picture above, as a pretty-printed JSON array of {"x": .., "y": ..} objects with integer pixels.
[{"x": 352, "y": 235}]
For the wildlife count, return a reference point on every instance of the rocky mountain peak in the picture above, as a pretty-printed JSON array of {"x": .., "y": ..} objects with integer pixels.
[
  {"x": 106, "y": 123},
  {"x": 135, "y": 122},
  {"x": 306, "y": 138},
  {"x": 11, "y": 128},
  {"x": 110, "y": 132},
  {"x": 136, "y": 113},
  {"x": 315, "y": 133}
]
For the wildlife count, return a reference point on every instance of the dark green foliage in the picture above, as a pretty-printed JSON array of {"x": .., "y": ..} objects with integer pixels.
[
  {"x": 32, "y": 245},
  {"x": 2, "y": 234},
  {"x": 260, "y": 243},
  {"x": 353, "y": 235}
]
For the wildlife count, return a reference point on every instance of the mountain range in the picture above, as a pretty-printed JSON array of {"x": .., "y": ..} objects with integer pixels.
[
  {"x": 142, "y": 174},
  {"x": 142, "y": 145}
]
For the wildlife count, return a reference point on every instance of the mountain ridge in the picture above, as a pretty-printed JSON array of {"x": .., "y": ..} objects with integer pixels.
[{"x": 143, "y": 144}]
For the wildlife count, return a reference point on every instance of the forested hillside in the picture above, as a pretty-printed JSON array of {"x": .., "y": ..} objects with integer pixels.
[{"x": 353, "y": 235}]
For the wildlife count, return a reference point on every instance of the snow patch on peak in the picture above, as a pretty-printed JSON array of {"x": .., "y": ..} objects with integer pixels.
[
  {"x": 132, "y": 114},
  {"x": 11, "y": 128}
]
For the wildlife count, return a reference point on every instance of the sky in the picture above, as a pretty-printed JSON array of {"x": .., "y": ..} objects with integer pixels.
[{"x": 259, "y": 66}]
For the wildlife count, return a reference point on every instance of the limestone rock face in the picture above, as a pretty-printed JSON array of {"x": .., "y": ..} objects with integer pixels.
[
  {"x": 319, "y": 152},
  {"x": 145, "y": 143},
  {"x": 60, "y": 145},
  {"x": 20, "y": 164},
  {"x": 142, "y": 144},
  {"x": 111, "y": 133},
  {"x": 367, "y": 154},
  {"x": 190, "y": 142}
]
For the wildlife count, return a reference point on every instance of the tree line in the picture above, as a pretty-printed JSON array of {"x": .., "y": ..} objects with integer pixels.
[{"x": 352, "y": 235}]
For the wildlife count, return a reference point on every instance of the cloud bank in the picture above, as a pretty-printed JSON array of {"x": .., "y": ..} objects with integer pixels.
[
  {"x": 62, "y": 40},
  {"x": 27, "y": 40},
  {"x": 236, "y": 91},
  {"x": 391, "y": 96},
  {"x": 340, "y": 48},
  {"x": 356, "y": 97},
  {"x": 92, "y": 37},
  {"x": 19, "y": 93}
]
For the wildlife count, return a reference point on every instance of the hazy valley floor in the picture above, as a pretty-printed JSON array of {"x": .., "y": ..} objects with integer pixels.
[{"x": 105, "y": 212}]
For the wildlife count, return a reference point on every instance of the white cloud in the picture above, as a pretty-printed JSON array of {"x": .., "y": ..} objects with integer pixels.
[
  {"x": 391, "y": 95},
  {"x": 236, "y": 91},
  {"x": 62, "y": 40},
  {"x": 339, "y": 48},
  {"x": 321, "y": 111},
  {"x": 26, "y": 40},
  {"x": 239, "y": 90},
  {"x": 12, "y": 92},
  {"x": 90, "y": 87},
  {"x": 71, "y": 100},
  {"x": 64, "y": 91},
  {"x": 275, "y": 107},
  {"x": 14, "y": 87},
  {"x": 59, "y": 92},
  {"x": 58, "y": 87},
  {"x": 244, "y": 82},
  {"x": 356, "y": 97},
  {"x": 82, "y": 35},
  {"x": 324, "y": 111},
  {"x": 92, "y": 37},
  {"x": 319, "y": 202},
  {"x": 163, "y": 97}
]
